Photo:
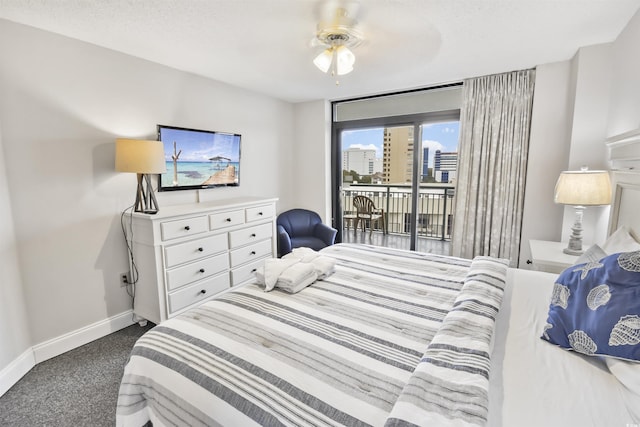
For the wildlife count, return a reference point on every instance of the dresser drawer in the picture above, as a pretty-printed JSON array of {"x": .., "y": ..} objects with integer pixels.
[
  {"x": 198, "y": 270},
  {"x": 250, "y": 253},
  {"x": 246, "y": 272},
  {"x": 260, "y": 212},
  {"x": 250, "y": 234},
  {"x": 197, "y": 292},
  {"x": 226, "y": 219},
  {"x": 183, "y": 227},
  {"x": 194, "y": 250}
]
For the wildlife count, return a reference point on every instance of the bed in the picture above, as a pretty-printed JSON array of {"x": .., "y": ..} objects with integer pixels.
[
  {"x": 391, "y": 338},
  {"x": 340, "y": 352}
]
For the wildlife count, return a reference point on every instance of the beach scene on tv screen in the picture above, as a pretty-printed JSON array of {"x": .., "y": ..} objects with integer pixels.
[{"x": 197, "y": 158}]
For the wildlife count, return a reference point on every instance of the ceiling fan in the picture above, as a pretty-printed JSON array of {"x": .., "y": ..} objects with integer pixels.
[{"x": 338, "y": 33}]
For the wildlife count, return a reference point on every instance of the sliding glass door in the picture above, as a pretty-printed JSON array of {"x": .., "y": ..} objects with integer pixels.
[
  {"x": 406, "y": 167},
  {"x": 377, "y": 164},
  {"x": 437, "y": 182}
]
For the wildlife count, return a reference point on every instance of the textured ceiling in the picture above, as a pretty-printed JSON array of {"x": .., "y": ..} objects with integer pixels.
[{"x": 264, "y": 45}]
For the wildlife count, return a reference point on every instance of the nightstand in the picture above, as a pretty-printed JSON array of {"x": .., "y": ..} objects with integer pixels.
[{"x": 548, "y": 256}]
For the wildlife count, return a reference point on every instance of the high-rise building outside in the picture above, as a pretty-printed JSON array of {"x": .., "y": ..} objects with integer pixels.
[
  {"x": 397, "y": 160},
  {"x": 376, "y": 166},
  {"x": 445, "y": 166},
  {"x": 425, "y": 164},
  {"x": 362, "y": 161}
]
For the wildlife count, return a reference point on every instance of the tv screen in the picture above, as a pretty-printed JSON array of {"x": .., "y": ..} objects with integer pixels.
[{"x": 199, "y": 158}]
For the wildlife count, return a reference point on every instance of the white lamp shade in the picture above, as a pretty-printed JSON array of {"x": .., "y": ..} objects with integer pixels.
[
  {"x": 583, "y": 188},
  {"x": 138, "y": 156},
  {"x": 344, "y": 60},
  {"x": 323, "y": 61}
]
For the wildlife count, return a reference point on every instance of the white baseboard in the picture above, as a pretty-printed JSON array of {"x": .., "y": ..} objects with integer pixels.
[
  {"x": 16, "y": 370},
  {"x": 56, "y": 346}
]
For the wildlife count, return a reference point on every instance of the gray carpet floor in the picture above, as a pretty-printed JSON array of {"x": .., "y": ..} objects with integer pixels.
[{"x": 77, "y": 388}]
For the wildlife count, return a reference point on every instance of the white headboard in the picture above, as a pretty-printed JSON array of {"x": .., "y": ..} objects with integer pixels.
[
  {"x": 625, "y": 208},
  {"x": 624, "y": 154}
]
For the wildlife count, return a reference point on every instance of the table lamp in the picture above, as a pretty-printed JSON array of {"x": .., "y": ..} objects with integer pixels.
[
  {"x": 580, "y": 189},
  {"x": 143, "y": 158}
]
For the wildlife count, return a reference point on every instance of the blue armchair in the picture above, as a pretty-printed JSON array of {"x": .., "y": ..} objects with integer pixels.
[{"x": 303, "y": 228}]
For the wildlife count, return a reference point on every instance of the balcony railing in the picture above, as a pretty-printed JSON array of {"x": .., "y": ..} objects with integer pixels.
[{"x": 435, "y": 207}]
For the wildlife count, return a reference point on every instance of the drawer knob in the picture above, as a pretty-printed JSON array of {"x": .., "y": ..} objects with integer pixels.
[
  {"x": 253, "y": 234},
  {"x": 202, "y": 270},
  {"x": 186, "y": 227},
  {"x": 260, "y": 213},
  {"x": 228, "y": 220},
  {"x": 200, "y": 249},
  {"x": 253, "y": 252},
  {"x": 254, "y": 270},
  {"x": 204, "y": 291},
  {"x": 529, "y": 261}
]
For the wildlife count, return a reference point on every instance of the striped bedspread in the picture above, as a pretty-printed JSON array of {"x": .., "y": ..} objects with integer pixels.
[{"x": 341, "y": 352}]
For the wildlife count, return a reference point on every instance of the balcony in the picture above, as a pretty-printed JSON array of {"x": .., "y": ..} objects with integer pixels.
[{"x": 435, "y": 215}]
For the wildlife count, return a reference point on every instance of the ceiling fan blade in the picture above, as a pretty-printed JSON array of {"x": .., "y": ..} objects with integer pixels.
[{"x": 337, "y": 12}]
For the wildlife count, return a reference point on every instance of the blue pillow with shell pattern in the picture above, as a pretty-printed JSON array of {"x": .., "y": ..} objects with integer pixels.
[{"x": 595, "y": 308}]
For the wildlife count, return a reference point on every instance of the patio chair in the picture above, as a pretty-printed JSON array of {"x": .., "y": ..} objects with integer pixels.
[{"x": 367, "y": 213}]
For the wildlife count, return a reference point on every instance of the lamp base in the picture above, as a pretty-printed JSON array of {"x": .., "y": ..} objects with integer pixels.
[
  {"x": 145, "y": 199},
  {"x": 575, "y": 241},
  {"x": 572, "y": 251}
]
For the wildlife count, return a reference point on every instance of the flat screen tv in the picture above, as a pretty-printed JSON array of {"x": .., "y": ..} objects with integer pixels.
[{"x": 198, "y": 159}]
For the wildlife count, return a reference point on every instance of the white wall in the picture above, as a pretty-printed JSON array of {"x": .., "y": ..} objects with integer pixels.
[
  {"x": 312, "y": 158},
  {"x": 624, "y": 105},
  {"x": 592, "y": 83},
  {"x": 14, "y": 323},
  {"x": 63, "y": 104},
  {"x": 548, "y": 154},
  {"x": 590, "y": 107}
]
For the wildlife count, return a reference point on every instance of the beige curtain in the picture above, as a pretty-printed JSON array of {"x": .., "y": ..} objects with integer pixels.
[{"x": 492, "y": 165}]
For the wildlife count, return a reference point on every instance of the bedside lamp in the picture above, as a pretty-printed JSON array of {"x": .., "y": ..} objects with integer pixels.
[
  {"x": 143, "y": 158},
  {"x": 580, "y": 189}
]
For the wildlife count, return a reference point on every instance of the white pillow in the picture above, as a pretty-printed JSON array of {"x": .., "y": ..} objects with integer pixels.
[{"x": 621, "y": 241}]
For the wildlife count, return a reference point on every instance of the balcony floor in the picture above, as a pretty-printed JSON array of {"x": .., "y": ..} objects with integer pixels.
[{"x": 399, "y": 241}]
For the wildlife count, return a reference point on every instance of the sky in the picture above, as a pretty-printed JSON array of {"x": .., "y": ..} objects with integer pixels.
[
  {"x": 200, "y": 146},
  {"x": 436, "y": 136}
]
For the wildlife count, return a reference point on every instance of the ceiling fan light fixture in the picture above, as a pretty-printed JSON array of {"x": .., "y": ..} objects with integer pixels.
[
  {"x": 338, "y": 36},
  {"x": 337, "y": 57},
  {"x": 344, "y": 60},
  {"x": 323, "y": 61}
]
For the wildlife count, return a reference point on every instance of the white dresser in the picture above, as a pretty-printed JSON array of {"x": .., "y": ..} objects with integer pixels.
[{"x": 186, "y": 254}]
